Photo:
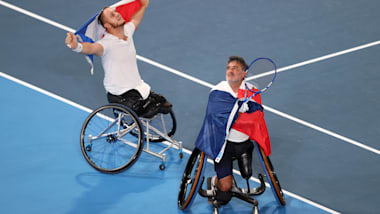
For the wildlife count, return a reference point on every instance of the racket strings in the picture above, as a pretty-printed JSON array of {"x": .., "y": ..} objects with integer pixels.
[{"x": 261, "y": 74}]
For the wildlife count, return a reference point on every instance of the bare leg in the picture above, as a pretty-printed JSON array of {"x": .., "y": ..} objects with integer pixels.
[{"x": 224, "y": 184}]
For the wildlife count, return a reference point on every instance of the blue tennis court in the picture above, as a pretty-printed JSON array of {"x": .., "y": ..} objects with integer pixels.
[{"x": 321, "y": 112}]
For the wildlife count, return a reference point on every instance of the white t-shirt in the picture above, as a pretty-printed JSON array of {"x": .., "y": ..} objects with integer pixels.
[{"x": 120, "y": 66}]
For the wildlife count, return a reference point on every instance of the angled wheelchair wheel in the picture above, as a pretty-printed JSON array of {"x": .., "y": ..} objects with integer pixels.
[
  {"x": 271, "y": 175},
  {"x": 164, "y": 123},
  {"x": 191, "y": 179},
  {"x": 107, "y": 141}
]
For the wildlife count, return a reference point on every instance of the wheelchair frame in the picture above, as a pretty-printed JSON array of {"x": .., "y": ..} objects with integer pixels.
[
  {"x": 120, "y": 135},
  {"x": 191, "y": 183},
  {"x": 172, "y": 142}
]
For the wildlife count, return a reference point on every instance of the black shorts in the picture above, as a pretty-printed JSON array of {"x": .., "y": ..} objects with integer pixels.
[
  {"x": 231, "y": 152},
  {"x": 134, "y": 100}
]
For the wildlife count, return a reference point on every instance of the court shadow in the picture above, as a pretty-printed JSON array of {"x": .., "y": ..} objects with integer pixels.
[
  {"x": 104, "y": 192},
  {"x": 273, "y": 207}
]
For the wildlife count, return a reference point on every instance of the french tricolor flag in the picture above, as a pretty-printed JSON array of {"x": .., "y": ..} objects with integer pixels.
[
  {"x": 222, "y": 114},
  {"x": 92, "y": 31}
]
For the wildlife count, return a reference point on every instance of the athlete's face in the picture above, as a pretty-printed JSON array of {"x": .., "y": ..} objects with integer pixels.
[
  {"x": 234, "y": 72},
  {"x": 113, "y": 18}
]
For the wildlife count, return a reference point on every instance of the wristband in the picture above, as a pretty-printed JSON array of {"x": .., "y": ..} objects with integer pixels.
[{"x": 79, "y": 48}]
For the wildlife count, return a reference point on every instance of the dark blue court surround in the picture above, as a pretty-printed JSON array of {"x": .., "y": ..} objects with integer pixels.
[{"x": 196, "y": 37}]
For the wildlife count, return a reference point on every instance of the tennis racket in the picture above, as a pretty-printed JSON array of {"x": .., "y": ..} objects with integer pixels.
[{"x": 261, "y": 74}]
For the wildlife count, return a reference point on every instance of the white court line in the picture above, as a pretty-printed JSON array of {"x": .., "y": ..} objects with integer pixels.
[
  {"x": 195, "y": 79},
  {"x": 42, "y": 91},
  {"x": 317, "y": 59},
  {"x": 340, "y": 137},
  {"x": 312, "y": 203},
  {"x": 33, "y": 15}
]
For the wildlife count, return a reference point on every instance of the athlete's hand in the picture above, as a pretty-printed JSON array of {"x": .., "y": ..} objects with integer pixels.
[
  {"x": 244, "y": 108},
  {"x": 71, "y": 40}
]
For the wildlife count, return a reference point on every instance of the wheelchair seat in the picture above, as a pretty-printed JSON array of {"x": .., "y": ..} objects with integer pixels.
[{"x": 152, "y": 110}]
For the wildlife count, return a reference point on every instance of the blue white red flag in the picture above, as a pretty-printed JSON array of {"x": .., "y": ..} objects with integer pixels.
[
  {"x": 92, "y": 31},
  {"x": 222, "y": 114}
]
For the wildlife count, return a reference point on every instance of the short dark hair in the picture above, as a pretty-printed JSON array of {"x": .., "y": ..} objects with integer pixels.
[
  {"x": 240, "y": 60},
  {"x": 100, "y": 19}
]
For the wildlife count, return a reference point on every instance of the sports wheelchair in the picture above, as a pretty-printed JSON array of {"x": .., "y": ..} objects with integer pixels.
[
  {"x": 112, "y": 137},
  {"x": 193, "y": 178}
]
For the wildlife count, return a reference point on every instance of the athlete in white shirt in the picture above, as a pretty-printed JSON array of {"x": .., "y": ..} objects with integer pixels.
[{"x": 122, "y": 80}]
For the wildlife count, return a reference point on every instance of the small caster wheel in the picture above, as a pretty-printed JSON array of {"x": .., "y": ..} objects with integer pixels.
[
  {"x": 162, "y": 166},
  {"x": 181, "y": 155},
  {"x": 88, "y": 148}
]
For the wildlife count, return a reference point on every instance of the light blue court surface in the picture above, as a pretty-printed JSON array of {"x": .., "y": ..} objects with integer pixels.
[{"x": 43, "y": 170}]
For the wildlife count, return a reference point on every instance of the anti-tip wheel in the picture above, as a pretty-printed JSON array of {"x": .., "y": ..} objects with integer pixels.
[{"x": 162, "y": 166}]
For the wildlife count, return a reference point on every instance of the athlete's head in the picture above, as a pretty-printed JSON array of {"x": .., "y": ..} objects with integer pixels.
[
  {"x": 110, "y": 18},
  {"x": 236, "y": 69}
]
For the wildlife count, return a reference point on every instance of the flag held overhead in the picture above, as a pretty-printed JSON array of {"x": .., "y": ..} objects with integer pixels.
[{"x": 92, "y": 31}]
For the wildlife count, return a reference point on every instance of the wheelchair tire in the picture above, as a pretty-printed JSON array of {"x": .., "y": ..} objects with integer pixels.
[
  {"x": 106, "y": 138},
  {"x": 165, "y": 123},
  {"x": 192, "y": 176},
  {"x": 272, "y": 177}
]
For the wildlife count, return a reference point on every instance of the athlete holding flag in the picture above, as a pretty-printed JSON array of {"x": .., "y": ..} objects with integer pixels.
[
  {"x": 230, "y": 126},
  {"x": 116, "y": 48}
]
